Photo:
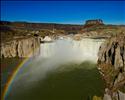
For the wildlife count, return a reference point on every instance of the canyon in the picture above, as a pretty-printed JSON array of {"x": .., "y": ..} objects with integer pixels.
[
  {"x": 66, "y": 66},
  {"x": 49, "y": 46}
]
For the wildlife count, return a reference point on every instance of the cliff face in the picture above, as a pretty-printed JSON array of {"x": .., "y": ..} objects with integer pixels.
[
  {"x": 25, "y": 47},
  {"x": 111, "y": 64}
]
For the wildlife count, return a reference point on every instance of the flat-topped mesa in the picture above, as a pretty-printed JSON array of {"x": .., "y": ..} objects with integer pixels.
[{"x": 94, "y": 22}]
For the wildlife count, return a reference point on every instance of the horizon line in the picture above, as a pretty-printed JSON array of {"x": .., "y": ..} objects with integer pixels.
[{"x": 40, "y": 22}]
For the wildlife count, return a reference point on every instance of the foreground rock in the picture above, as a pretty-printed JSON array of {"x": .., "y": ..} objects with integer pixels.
[
  {"x": 111, "y": 64},
  {"x": 24, "y": 47}
]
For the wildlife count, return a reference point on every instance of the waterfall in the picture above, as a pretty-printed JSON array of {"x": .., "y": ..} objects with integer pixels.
[
  {"x": 71, "y": 50},
  {"x": 61, "y": 51}
]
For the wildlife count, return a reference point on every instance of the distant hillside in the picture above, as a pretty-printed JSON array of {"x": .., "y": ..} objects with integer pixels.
[
  {"x": 39, "y": 26},
  {"x": 102, "y": 30},
  {"x": 91, "y": 28},
  {"x": 11, "y": 29}
]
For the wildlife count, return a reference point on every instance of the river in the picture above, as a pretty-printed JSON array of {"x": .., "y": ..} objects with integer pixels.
[{"x": 65, "y": 69}]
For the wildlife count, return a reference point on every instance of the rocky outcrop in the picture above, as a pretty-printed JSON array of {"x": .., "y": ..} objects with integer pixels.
[
  {"x": 24, "y": 47},
  {"x": 111, "y": 64},
  {"x": 94, "y": 22}
]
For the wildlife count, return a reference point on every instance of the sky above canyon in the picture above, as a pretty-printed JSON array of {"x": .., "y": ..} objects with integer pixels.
[{"x": 66, "y": 12}]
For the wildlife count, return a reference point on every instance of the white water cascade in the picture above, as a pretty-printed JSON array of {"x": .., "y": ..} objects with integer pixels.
[{"x": 71, "y": 50}]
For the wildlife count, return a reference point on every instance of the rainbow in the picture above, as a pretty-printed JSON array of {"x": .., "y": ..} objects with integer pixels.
[
  {"x": 11, "y": 78},
  {"x": 14, "y": 73},
  {"x": 16, "y": 70}
]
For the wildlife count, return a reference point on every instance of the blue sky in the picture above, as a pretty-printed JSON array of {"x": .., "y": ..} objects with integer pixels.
[{"x": 71, "y": 12}]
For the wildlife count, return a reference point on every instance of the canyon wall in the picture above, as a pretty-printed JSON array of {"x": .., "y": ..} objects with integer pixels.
[
  {"x": 111, "y": 64},
  {"x": 23, "y": 47}
]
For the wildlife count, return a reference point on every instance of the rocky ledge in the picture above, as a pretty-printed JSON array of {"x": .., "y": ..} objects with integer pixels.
[
  {"x": 111, "y": 64},
  {"x": 22, "y": 47}
]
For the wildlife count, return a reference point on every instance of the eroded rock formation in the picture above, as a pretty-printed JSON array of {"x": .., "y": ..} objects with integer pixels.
[
  {"x": 94, "y": 22},
  {"x": 24, "y": 47},
  {"x": 111, "y": 64}
]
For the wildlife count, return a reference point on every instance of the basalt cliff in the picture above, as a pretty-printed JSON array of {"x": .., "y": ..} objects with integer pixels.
[
  {"x": 111, "y": 64},
  {"x": 22, "y": 47}
]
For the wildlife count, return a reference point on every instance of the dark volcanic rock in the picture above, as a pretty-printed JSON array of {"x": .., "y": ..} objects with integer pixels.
[{"x": 111, "y": 64}]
